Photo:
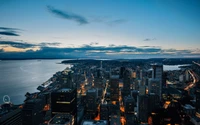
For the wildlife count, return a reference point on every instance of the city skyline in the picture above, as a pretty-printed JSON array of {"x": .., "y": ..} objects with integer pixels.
[{"x": 99, "y": 29}]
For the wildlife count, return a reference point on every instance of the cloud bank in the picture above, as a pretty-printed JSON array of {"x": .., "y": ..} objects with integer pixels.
[{"x": 92, "y": 50}]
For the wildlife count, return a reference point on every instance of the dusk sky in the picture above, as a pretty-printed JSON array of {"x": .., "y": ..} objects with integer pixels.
[{"x": 99, "y": 28}]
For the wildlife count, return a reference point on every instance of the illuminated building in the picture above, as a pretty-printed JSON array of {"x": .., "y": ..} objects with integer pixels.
[
  {"x": 127, "y": 83},
  {"x": 155, "y": 87},
  {"x": 129, "y": 104},
  {"x": 122, "y": 69},
  {"x": 142, "y": 90},
  {"x": 91, "y": 102},
  {"x": 142, "y": 108},
  {"x": 157, "y": 73},
  {"x": 63, "y": 101},
  {"x": 114, "y": 88},
  {"x": 104, "y": 113},
  {"x": 32, "y": 112},
  {"x": 153, "y": 102}
]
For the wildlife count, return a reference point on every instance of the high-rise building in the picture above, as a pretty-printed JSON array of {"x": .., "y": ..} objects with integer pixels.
[
  {"x": 155, "y": 87},
  {"x": 153, "y": 102},
  {"x": 104, "y": 113},
  {"x": 142, "y": 108},
  {"x": 114, "y": 88},
  {"x": 129, "y": 104},
  {"x": 142, "y": 90},
  {"x": 122, "y": 69},
  {"x": 32, "y": 112},
  {"x": 126, "y": 83},
  {"x": 91, "y": 102},
  {"x": 157, "y": 73},
  {"x": 64, "y": 101}
]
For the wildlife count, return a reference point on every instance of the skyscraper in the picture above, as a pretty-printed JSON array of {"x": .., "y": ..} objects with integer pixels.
[
  {"x": 114, "y": 88},
  {"x": 32, "y": 112},
  {"x": 157, "y": 73},
  {"x": 142, "y": 108},
  {"x": 155, "y": 86},
  {"x": 126, "y": 82},
  {"x": 104, "y": 113},
  {"x": 63, "y": 101}
]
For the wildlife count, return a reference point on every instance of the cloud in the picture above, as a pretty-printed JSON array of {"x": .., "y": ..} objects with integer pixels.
[
  {"x": 67, "y": 15},
  {"x": 49, "y": 44},
  {"x": 9, "y": 31},
  {"x": 16, "y": 44},
  {"x": 24, "y": 45},
  {"x": 87, "y": 50},
  {"x": 7, "y": 28},
  {"x": 149, "y": 39}
]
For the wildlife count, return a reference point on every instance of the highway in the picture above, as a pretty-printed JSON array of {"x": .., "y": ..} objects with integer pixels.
[{"x": 195, "y": 78}]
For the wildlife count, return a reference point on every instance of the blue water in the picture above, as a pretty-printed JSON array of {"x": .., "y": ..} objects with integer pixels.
[
  {"x": 173, "y": 67},
  {"x": 20, "y": 76}
]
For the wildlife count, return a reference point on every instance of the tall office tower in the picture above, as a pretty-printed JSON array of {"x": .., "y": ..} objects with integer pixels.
[
  {"x": 142, "y": 108},
  {"x": 91, "y": 102},
  {"x": 142, "y": 90},
  {"x": 141, "y": 74},
  {"x": 12, "y": 118},
  {"x": 153, "y": 102},
  {"x": 104, "y": 113},
  {"x": 32, "y": 112},
  {"x": 157, "y": 73},
  {"x": 70, "y": 80},
  {"x": 135, "y": 84},
  {"x": 129, "y": 104},
  {"x": 127, "y": 83},
  {"x": 155, "y": 87},
  {"x": 122, "y": 69},
  {"x": 114, "y": 88},
  {"x": 64, "y": 101},
  {"x": 134, "y": 94}
]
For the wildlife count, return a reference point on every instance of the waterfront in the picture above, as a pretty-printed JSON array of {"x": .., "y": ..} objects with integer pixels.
[{"x": 20, "y": 76}]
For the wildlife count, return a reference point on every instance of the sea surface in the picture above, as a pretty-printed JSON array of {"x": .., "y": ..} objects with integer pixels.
[
  {"x": 173, "y": 67},
  {"x": 20, "y": 76}
]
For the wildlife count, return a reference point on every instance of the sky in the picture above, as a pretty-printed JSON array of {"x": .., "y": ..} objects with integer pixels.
[{"x": 99, "y": 28}]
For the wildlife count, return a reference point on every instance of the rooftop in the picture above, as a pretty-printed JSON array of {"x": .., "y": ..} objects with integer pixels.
[
  {"x": 93, "y": 122},
  {"x": 65, "y": 90},
  {"x": 61, "y": 119}
]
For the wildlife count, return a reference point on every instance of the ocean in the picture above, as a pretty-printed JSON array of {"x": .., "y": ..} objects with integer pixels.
[{"x": 20, "y": 76}]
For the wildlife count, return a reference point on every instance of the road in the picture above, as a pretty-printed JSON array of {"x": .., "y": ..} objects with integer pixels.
[{"x": 195, "y": 80}]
